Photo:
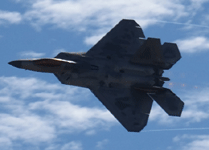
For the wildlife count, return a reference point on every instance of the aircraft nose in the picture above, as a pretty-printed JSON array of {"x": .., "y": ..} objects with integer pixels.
[{"x": 17, "y": 64}]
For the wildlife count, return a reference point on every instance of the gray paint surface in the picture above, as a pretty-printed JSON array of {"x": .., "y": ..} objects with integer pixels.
[{"x": 123, "y": 70}]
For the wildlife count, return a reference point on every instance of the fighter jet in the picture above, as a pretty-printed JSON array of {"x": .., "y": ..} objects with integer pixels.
[{"x": 123, "y": 70}]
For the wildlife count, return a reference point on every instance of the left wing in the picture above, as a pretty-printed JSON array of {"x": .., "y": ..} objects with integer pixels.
[{"x": 130, "y": 107}]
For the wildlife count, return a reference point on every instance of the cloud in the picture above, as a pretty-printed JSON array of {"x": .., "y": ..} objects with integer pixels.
[
  {"x": 80, "y": 14},
  {"x": 101, "y": 144},
  {"x": 29, "y": 128},
  {"x": 34, "y": 111},
  {"x": 197, "y": 4},
  {"x": 74, "y": 117},
  {"x": 5, "y": 143},
  {"x": 91, "y": 132},
  {"x": 194, "y": 44},
  {"x": 102, "y": 15},
  {"x": 57, "y": 51},
  {"x": 194, "y": 142},
  {"x": 93, "y": 39},
  {"x": 31, "y": 108},
  {"x": 10, "y": 17},
  {"x": 72, "y": 146},
  {"x": 31, "y": 54}
]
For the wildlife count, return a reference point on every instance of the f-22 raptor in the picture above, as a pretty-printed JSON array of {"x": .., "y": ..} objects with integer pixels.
[{"x": 123, "y": 70}]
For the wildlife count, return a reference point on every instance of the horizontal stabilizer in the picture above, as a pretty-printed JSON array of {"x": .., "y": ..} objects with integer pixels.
[
  {"x": 171, "y": 54},
  {"x": 153, "y": 53},
  {"x": 169, "y": 102}
]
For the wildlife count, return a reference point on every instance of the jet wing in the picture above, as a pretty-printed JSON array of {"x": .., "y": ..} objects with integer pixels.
[
  {"x": 122, "y": 39},
  {"x": 130, "y": 107}
]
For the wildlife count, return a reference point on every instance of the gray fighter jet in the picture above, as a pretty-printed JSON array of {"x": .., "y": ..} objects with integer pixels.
[{"x": 123, "y": 70}]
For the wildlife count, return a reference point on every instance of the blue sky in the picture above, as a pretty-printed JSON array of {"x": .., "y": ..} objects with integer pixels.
[{"x": 39, "y": 113}]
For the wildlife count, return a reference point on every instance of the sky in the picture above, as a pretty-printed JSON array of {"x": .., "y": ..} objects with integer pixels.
[{"x": 37, "y": 112}]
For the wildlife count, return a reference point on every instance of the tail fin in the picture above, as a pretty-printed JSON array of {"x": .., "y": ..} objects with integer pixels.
[
  {"x": 153, "y": 53},
  {"x": 169, "y": 102}
]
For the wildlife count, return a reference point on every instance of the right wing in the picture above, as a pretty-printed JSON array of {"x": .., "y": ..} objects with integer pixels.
[
  {"x": 130, "y": 107},
  {"x": 122, "y": 40}
]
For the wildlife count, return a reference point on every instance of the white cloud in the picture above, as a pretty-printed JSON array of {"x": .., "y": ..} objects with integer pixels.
[
  {"x": 194, "y": 44},
  {"x": 29, "y": 128},
  {"x": 63, "y": 103},
  {"x": 72, "y": 146},
  {"x": 197, "y": 4},
  {"x": 194, "y": 142},
  {"x": 10, "y": 17},
  {"x": 57, "y": 51},
  {"x": 101, "y": 144},
  {"x": 31, "y": 54},
  {"x": 103, "y": 15},
  {"x": 93, "y": 39},
  {"x": 5, "y": 143},
  {"x": 74, "y": 117},
  {"x": 97, "y": 13},
  {"x": 29, "y": 96},
  {"x": 81, "y": 15},
  {"x": 34, "y": 111},
  {"x": 91, "y": 132}
]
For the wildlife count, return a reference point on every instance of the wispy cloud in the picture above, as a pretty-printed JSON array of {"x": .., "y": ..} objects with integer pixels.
[
  {"x": 93, "y": 39},
  {"x": 196, "y": 4},
  {"x": 91, "y": 132},
  {"x": 32, "y": 108},
  {"x": 29, "y": 128},
  {"x": 97, "y": 13},
  {"x": 10, "y": 17},
  {"x": 31, "y": 54},
  {"x": 194, "y": 44},
  {"x": 57, "y": 51},
  {"x": 101, "y": 144},
  {"x": 81, "y": 15},
  {"x": 72, "y": 146},
  {"x": 193, "y": 142},
  {"x": 74, "y": 117},
  {"x": 34, "y": 111}
]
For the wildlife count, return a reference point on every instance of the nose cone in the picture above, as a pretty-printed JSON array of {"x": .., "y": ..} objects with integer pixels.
[{"x": 17, "y": 64}]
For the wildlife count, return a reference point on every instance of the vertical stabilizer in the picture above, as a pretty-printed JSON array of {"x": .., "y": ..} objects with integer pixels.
[{"x": 153, "y": 53}]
